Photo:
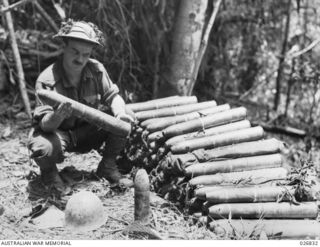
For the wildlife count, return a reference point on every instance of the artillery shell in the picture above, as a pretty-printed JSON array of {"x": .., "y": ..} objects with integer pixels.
[{"x": 141, "y": 196}]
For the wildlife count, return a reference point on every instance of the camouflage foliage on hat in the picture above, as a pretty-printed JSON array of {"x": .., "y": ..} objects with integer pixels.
[{"x": 67, "y": 26}]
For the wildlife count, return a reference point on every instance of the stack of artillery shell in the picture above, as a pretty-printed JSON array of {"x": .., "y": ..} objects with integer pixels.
[
  {"x": 273, "y": 228},
  {"x": 207, "y": 158}
]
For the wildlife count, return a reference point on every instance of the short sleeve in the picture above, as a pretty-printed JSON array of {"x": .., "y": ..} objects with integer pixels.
[{"x": 108, "y": 88}]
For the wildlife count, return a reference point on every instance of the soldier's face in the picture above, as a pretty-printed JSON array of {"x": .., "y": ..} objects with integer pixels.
[{"x": 76, "y": 55}]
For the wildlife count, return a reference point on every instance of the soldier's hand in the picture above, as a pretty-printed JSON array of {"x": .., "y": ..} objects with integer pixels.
[
  {"x": 64, "y": 110},
  {"x": 125, "y": 117}
]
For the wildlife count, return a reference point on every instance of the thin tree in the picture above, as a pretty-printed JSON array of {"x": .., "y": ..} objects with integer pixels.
[
  {"x": 282, "y": 57},
  {"x": 17, "y": 59}
]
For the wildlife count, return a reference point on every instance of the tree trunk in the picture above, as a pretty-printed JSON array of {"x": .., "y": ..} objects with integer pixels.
[
  {"x": 3, "y": 77},
  {"x": 46, "y": 17},
  {"x": 290, "y": 84},
  {"x": 282, "y": 58},
  {"x": 203, "y": 45},
  {"x": 17, "y": 58},
  {"x": 187, "y": 36}
]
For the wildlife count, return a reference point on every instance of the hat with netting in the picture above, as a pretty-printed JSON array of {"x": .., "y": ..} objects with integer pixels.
[{"x": 85, "y": 31}]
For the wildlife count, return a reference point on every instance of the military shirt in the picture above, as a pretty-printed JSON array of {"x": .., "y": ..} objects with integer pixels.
[{"x": 95, "y": 88}]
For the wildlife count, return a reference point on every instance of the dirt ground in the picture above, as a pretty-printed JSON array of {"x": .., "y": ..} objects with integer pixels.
[{"x": 19, "y": 182}]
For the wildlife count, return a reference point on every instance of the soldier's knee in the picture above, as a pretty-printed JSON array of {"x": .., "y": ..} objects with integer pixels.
[
  {"x": 40, "y": 147},
  {"x": 45, "y": 146}
]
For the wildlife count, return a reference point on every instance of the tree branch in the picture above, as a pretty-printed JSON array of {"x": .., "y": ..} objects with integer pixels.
[
  {"x": 301, "y": 52},
  {"x": 287, "y": 130},
  {"x": 43, "y": 54},
  {"x": 13, "y": 6},
  {"x": 45, "y": 16}
]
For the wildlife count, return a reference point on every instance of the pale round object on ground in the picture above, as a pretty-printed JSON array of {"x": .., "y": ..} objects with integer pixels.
[{"x": 84, "y": 212}]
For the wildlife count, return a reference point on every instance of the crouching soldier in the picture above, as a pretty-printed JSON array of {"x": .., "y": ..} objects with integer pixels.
[{"x": 77, "y": 76}]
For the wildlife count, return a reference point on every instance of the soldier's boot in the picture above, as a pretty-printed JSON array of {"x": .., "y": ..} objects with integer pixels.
[
  {"x": 47, "y": 150},
  {"x": 51, "y": 178},
  {"x": 107, "y": 167}
]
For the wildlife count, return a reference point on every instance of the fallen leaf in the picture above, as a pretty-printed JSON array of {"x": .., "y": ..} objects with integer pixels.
[
  {"x": 53, "y": 217},
  {"x": 18, "y": 173},
  {"x": 263, "y": 236},
  {"x": 156, "y": 200},
  {"x": 4, "y": 183},
  {"x": 24, "y": 151},
  {"x": 22, "y": 183},
  {"x": 6, "y": 132},
  {"x": 21, "y": 116},
  {"x": 26, "y": 211}
]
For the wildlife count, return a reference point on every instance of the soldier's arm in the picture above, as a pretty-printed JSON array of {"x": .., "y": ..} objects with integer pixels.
[
  {"x": 118, "y": 109},
  {"x": 111, "y": 98},
  {"x": 52, "y": 120},
  {"x": 45, "y": 116}
]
